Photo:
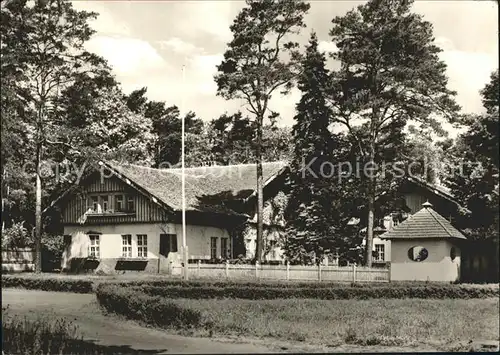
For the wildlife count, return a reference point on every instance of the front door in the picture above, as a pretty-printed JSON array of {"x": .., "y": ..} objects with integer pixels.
[{"x": 168, "y": 244}]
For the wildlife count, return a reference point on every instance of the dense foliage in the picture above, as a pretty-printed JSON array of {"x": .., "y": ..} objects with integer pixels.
[
  {"x": 169, "y": 288},
  {"x": 260, "y": 60},
  {"x": 390, "y": 73},
  {"x": 321, "y": 201},
  {"x": 48, "y": 284},
  {"x": 63, "y": 109}
]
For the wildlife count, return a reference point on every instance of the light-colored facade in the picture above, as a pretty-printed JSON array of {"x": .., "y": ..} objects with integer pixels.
[
  {"x": 441, "y": 264},
  {"x": 143, "y": 241},
  {"x": 425, "y": 247}
]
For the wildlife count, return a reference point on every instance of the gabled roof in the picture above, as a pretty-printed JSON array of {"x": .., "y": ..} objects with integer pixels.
[
  {"x": 424, "y": 224},
  {"x": 439, "y": 190},
  {"x": 203, "y": 184}
]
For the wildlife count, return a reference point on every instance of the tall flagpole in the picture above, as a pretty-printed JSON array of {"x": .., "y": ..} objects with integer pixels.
[{"x": 183, "y": 187}]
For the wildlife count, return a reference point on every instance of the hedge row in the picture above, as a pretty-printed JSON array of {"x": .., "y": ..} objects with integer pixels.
[
  {"x": 48, "y": 284},
  {"x": 331, "y": 293},
  {"x": 273, "y": 283},
  {"x": 154, "y": 310},
  {"x": 259, "y": 289}
]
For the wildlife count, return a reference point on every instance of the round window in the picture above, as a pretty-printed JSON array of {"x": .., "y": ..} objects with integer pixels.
[
  {"x": 418, "y": 253},
  {"x": 453, "y": 253}
]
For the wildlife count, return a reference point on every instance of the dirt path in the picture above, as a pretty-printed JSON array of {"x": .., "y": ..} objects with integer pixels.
[
  {"x": 93, "y": 325},
  {"x": 125, "y": 336}
]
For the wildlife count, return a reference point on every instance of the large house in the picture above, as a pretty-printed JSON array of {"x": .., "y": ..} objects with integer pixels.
[{"x": 122, "y": 216}]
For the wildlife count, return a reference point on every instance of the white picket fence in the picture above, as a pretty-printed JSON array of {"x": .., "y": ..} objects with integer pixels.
[
  {"x": 287, "y": 272},
  {"x": 18, "y": 260}
]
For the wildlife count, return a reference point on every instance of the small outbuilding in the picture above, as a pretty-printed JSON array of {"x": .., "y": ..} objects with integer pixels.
[{"x": 425, "y": 247}]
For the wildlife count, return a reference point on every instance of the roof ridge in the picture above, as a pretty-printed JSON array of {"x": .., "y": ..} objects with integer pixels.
[{"x": 200, "y": 167}]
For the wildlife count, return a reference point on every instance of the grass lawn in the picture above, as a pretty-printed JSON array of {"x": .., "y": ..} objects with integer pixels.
[
  {"x": 391, "y": 322},
  {"x": 331, "y": 325}
]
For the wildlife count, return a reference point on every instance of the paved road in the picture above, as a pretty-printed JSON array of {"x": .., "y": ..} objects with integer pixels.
[{"x": 105, "y": 330}]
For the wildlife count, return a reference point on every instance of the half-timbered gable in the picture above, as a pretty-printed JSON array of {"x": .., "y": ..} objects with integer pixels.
[
  {"x": 124, "y": 216},
  {"x": 111, "y": 200}
]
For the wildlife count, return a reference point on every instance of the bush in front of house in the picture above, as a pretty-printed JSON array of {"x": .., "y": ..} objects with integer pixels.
[
  {"x": 154, "y": 310},
  {"x": 47, "y": 284},
  {"x": 330, "y": 293}
]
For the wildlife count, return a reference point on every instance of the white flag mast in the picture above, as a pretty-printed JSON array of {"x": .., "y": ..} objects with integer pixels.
[{"x": 183, "y": 183}]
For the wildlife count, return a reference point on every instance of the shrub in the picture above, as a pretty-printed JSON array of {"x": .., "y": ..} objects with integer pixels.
[
  {"x": 52, "y": 250},
  {"x": 154, "y": 310},
  {"x": 330, "y": 293},
  {"x": 48, "y": 284},
  {"x": 46, "y": 335},
  {"x": 15, "y": 237},
  {"x": 40, "y": 336}
]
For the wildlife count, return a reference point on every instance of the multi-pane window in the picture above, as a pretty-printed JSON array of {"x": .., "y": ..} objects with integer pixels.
[
  {"x": 119, "y": 204},
  {"x": 142, "y": 245},
  {"x": 224, "y": 248},
  {"x": 130, "y": 204},
  {"x": 127, "y": 246},
  {"x": 380, "y": 249},
  {"x": 213, "y": 248},
  {"x": 104, "y": 203},
  {"x": 94, "y": 245}
]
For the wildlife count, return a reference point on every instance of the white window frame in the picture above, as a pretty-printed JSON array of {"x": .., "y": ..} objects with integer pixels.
[
  {"x": 104, "y": 203},
  {"x": 213, "y": 247},
  {"x": 380, "y": 249},
  {"x": 94, "y": 245},
  {"x": 126, "y": 245},
  {"x": 130, "y": 200},
  {"x": 142, "y": 245},
  {"x": 119, "y": 203},
  {"x": 224, "y": 248}
]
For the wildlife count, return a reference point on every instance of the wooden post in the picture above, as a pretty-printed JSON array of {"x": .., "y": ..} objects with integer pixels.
[
  {"x": 319, "y": 272},
  {"x": 199, "y": 267},
  {"x": 287, "y": 270},
  {"x": 353, "y": 273},
  {"x": 227, "y": 269},
  {"x": 256, "y": 269}
]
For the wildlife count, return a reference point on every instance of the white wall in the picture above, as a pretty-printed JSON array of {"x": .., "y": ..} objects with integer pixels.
[
  {"x": 437, "y": 267},
  {"x": 197, "y": 238}
]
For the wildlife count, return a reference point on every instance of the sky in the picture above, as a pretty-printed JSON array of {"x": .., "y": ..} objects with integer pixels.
[{"x": 147, "y": 43}]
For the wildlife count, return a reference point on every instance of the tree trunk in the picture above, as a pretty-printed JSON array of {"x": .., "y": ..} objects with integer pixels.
[
  {"x": 369, "y": 228},
  {"x": 260, "y": 197},
  {"x": 38, "y": 211},
  {"x": 371, "y": 211},
  {"x": 3, "y": 199}
]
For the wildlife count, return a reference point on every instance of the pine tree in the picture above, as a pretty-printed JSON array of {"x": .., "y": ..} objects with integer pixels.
[
  {"x": 390, "y": 73},
  {"x": 258, "y": 62},
  {"x": 314, "y": 216}
]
